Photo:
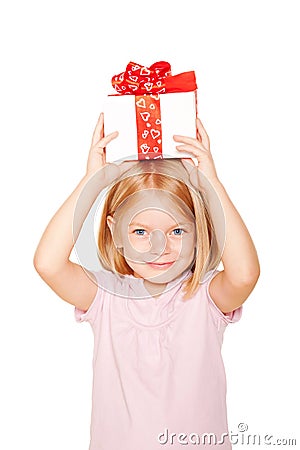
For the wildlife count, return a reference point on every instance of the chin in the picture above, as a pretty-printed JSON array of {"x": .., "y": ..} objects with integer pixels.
[{"x": 162, "y": 277}]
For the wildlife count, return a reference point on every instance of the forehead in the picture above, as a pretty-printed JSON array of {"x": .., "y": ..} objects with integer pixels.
[
  {"x": 156, "y": 200},
  {"x": 155, "y": 217}
]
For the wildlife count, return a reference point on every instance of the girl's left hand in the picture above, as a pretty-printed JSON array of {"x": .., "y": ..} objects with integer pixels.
[{"x": 200, "y": 149}]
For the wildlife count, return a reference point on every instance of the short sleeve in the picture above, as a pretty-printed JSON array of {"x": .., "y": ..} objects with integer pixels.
[
  {"x": 91, "y": 314},
  {"x": 230, "y": 317}
]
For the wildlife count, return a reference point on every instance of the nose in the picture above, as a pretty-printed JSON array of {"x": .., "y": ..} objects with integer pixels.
[{"x": 158, "y": 242}]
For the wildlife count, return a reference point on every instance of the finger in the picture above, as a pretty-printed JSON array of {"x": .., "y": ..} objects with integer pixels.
[
  {"x": 203, "y": 134},
  {"x": 190, "y": 161},
  {"x": 187, "y": 165},
  {"x": 191, "y": 142},
  {"x": 180, "y": 138},
  {"x": 192, "y": 171},
  {"x": 99, "y": 130},
  {"x": 106, "y": 140},
  {"x": 197, "y": 152}
]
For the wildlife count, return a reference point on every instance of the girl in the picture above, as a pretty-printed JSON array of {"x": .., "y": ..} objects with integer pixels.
[{"x": 158, "y": 308}]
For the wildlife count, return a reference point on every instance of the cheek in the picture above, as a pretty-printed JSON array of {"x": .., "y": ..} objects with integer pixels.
[
  {"x": 187, "y": 245},
  {"x": 140, "y": 243}
]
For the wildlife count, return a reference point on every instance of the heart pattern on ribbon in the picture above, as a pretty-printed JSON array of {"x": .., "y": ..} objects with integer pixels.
[
  {"x": 149, "y": 133},
  {"x": 138, "y": 79}
]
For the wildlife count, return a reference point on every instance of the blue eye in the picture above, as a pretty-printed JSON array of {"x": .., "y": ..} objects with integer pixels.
[
  {"x": 137, "y": 232},
  {"x": 142, "y": 232},
  {"x": 178, "y": 231}
]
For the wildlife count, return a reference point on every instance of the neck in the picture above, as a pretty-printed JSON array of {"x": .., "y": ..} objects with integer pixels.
[{"x": 154, "y": 289}]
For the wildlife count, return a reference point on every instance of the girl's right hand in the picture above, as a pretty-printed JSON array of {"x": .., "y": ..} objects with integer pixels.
[{"x": 96, "y": 158}]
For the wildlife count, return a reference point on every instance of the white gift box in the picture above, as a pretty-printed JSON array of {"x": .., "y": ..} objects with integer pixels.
[{"x": 178, "y": 112}]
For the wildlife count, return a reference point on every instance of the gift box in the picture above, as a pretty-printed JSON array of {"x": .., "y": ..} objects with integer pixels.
[{"x": 150, "y": 107}]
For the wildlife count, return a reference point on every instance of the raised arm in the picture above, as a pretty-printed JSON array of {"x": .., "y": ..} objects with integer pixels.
[
  {"x": 232, "y": 286},
  {"x": 51, "y": 259}
]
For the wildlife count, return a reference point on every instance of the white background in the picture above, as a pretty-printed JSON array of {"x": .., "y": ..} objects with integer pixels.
[{"x": 57, "y": 60}]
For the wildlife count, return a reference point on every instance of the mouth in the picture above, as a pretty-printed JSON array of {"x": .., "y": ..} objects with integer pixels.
[{"x": 161, "y": 266}]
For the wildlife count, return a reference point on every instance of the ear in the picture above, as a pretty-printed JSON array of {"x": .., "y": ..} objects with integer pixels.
[{"x": 110, "y": 223}]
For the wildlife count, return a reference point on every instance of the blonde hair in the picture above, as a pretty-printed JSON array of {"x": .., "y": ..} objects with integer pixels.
[{"x": 171, "y": 176}]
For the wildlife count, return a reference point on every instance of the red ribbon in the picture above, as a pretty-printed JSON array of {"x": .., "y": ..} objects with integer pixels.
[
  {"x": 148, "y": 125},
  {"x": 156, "y": 79}
]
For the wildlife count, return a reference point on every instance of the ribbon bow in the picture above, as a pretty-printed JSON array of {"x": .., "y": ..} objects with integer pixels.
[{"x": 156, "y": 79}]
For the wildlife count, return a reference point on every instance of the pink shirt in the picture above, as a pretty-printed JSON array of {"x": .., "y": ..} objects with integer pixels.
[{"x": 157, "y": 366}]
